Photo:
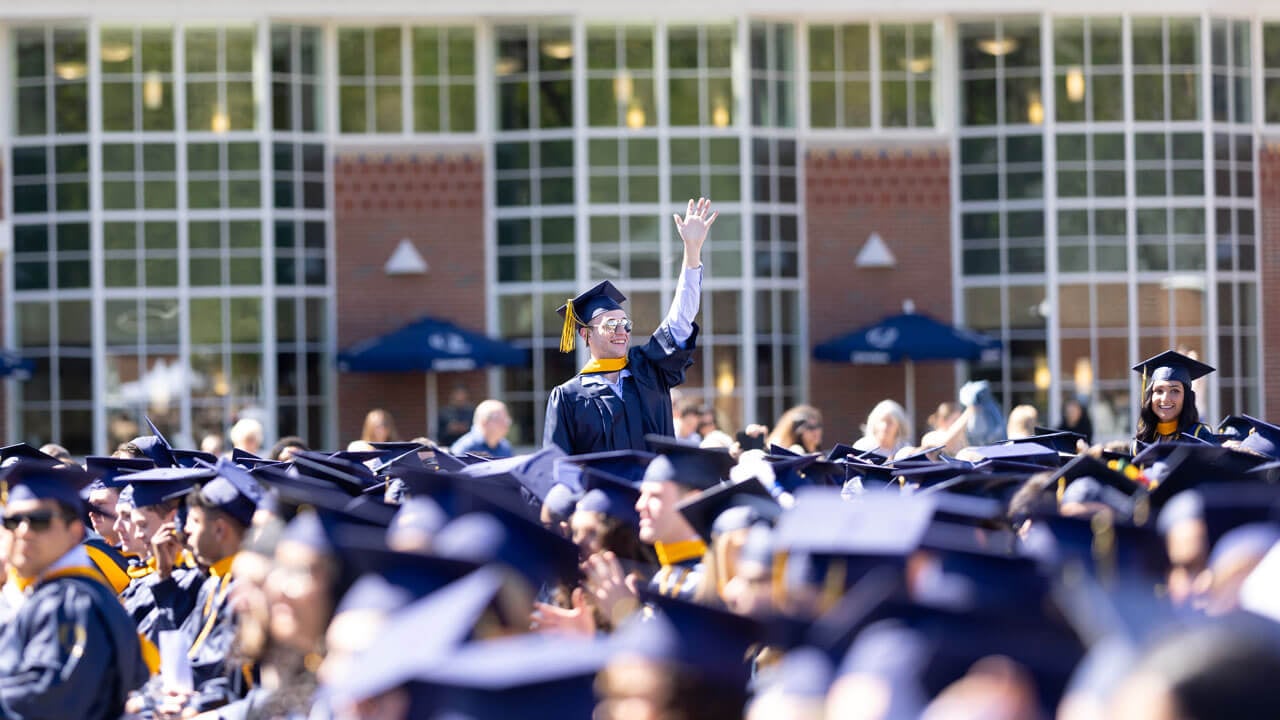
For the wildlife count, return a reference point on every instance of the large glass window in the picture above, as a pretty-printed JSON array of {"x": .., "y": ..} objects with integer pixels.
[
  {"x": 52, "y": 66},
  {"x": 219, "y": 78},
  {"x": 852, "y": 85},
  {"x": 137, "y": 79}
]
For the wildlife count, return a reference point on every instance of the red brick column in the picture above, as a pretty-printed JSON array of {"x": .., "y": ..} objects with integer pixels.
[
  {"x": 1269, "y": 241},
  {"x": 435, "y": 198},
  {"x": 902, "y": 193}
]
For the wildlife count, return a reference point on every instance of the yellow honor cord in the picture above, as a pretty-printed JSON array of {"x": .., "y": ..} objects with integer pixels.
[
  {"x": 672, "y": 553},
  {"x": 1167, "y": 428},
  {"x": 570, "y": 329}
]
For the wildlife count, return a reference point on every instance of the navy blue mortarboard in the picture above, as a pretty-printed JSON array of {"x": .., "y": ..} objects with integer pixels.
[
  {"x": 41, "y": 481},
  {"x": 234, "y": 491},
  {"x": 580, "y": 310},
  {"x": 112, "y": 471},
  {"x": 154, "y": 486},
  {"x": 422, "y": 635},
  {"x": 1031, "y": 453},
  {"x": 1222, "y": 507},
  {"x": 447, "y": 462},
  {"x": 929, "y": 474},
  {"x": 730, "y": 507},
  {"x": 1234, "y": 427},
  {"x": 1179, "y": 466},
  {"x": 626, "y": 464},
  {"x": 22, "y": 452},
  {"x": 192, "y": 458},
  {"x": 868, "y": 473},
  {"x": 793, "y": 473},
  {"x": 495, "y": 533},
  {"x": 351, "y": 477},
  {"x": 876, "y": 523},
  {"x": 1171, "y": 365},
  {"x": 535, "y": 472},
  {"x": 560, "y": 502},
  {"x": 534, "y": 676},
  {"x": 421, "y": 573},
  {"x": 418, "y": 517},
  {"x": 155, "y": 446},
  {"x": 697, "y": 639},
  {"x": 1263, "y": 438},
  {"x": 688, "y": 465},
  {"x": 1109, "y": 549},
  {"x": 841, "y": 452},
  {"x": 609, "y": 495},
  {"x": 1064, "y": 441}
]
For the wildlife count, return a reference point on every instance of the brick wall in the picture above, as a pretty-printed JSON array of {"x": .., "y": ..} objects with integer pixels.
[
  {"x": 435, "y": 198},
  {"x": 1269, "y": 241},
  {"x": 902, "y": 193}
]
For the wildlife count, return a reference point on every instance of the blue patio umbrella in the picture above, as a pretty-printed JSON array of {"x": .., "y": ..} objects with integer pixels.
[
  {"x": 430, "y": 345},
  {"x": 907, "y": 338}
]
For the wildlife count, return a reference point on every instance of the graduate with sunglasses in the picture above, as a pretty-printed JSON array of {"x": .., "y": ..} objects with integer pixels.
[
  {"x": 70, "y": 650},
  {"x": 624, "y": 392}
]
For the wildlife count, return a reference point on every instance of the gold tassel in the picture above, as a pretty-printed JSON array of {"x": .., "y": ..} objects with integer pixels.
[
  {"x": 1062, "y": 488},
  {"x": 570, "y": 329}
]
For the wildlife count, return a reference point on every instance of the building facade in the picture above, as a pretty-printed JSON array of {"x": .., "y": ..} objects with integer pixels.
[{"x": 201, "y": 202}]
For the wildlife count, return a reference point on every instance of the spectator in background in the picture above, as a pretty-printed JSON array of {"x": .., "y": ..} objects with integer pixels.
[
  {"x": 488, "y": 434},
  {"x": 687, "y": 415},
  {"x": 887, "y": 431},
  {"x": 56, "y": 450},
  {"x": 1075, "y": 417},
  {"x": 1022, "y": 422},
  {"x": 212, "y": 443},
  {"x": 799, "y": 429},
  {"x": 246, "y": 434},
  {"x": 455, "y": 418},
  {"x": 379, "y": 426},
  {"x": 709, "y": 429}
]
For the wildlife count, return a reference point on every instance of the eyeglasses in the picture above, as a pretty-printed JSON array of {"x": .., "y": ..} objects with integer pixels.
[
  {"x": 36, "y": 520},
  {"x": 612, "y": 325},
  {"x": 101, "y": 512}
]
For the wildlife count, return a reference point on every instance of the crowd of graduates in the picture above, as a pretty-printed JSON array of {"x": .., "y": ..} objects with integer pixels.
[{"x": 1028, "y": 578}]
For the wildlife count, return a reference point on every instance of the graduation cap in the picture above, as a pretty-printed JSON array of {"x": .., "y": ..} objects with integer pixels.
[
  {"x": 22, "y": 452},
  {"x": 921, "y": 455},
  {"x": 841, "y": 452},
  {"x": 155, "y": 446},
  {"x": 420, "y": 636},
  {"x": 1223, "y": 507},
  {"x": 1234, "y": 427},
  {"x": 928, "y": 474},
  {"x": 561, "y": 501},
  {"x": 1108, "y": 549},
  {"x": 533, "y": 676},
  {"x": 190, "y": 458},
  {"x": 626, "y": 464},
  {"x": 534, "y": 472},
  {"x": 579, "y": 311},
  {"x": 494, "y": 533},
  {"x": 1179, "y": 466},
  {"x": 41, "y": 481},
  {"x": 233, "y": 491},
  {"x": 729, "y": 507},
  {"x": 154, "y": 486},
  {"x": 688, "y": 465},
  {"x": 351, "y": 477},
  {"x": 695, "y": 639},
  {"x": 879, "y": 523},
  {"x": 793, "y": 473},
  {"x": 1064, "y": 441},
  {"x": 1263, "y": 438},
  {"x": 1025, "y": 452},
  {"x": 1171, "y": 365},
  {"x": 417, "y": 519},
  {"x": 366, "y": 550},
  {"x": 609, "y": 495},
  {"x": 867, "y": 473},
  {"x": 995, "y": 486},
  {"x": 112, "y": 472}
]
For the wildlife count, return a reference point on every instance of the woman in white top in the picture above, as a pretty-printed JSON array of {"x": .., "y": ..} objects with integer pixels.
[{"x": 887, "y": 430}]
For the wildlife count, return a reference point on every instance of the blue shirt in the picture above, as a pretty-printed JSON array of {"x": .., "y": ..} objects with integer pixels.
[{"x": 473, "y": 442}]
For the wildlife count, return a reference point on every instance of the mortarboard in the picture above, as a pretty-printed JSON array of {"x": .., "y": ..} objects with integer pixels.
[
  {"x": 841, "y": 452},
  {"x": 189, "y": 458},
  {"x": 351, "y": 477},
  {"x": 580, "y": 310},
  {"x": 795, "y": 472},
  {"x": 40, "y": 481},
  {"x": 1064, "y": 441},
  {"x": 609, "y": 495},
  {"x": 420, "y": 636},
  {"x": 366, "y": 551},
  {"x": 1223, "y": 507},
  {"x": 688, "y": 465},
  {"x": 154, "y": 486},
  {"x": 22, "y": 452},
  {"x": 534, "y": 472},
  {"x": 626, "y": 464},
  {"x": 420, "y": 516},
  {"x": 1028, "y": 452},
  {"x": 1234, "y": 427},
  {"x": 921, "y": 455},
  {"x": 1183, "y": 465},
  {"x": 877, "y": 523},
  {"x": 233, "y": 491},
  {"x": 933, "y": 473},
  {"x": 694, "y": 638},
  {"x": 560, "y": 502},
  {"x": 868, "y": 472},
  {"x": 1170, "y": 365},
  {"x": 729, "y": 507},
  {"x": 1263, "y": 438},
  {"x": 155, "y": 446},
  {"x": 496, "y": 534},
  {"x": 111, "y": 471},
  {"x": 1111, "y": 550}
]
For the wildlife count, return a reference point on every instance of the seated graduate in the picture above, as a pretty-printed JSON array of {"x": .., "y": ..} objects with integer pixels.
[
  {"x": 70, "y": 650},
  {"x": 624, "y": 393},
  {"x": 1168, "y": 408}
]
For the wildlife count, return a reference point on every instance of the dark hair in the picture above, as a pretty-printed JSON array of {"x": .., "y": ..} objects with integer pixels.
[
  {"x": 287, "y": 441},
  {"x": 1147, "y": 419},
  {"x": 196, "y": 499},
  {"x": 129, "y": 449},
  {"x": 163, "y": 506}
]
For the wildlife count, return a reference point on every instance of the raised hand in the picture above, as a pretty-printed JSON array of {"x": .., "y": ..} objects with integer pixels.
[
  {"x": 613, "y": 590},
  {"x": 693, "y": 229},
  {"x": 552, "y": 619}
]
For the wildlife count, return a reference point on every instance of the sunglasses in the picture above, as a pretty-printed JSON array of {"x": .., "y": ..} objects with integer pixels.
[
  {"x": 102, "y": 512},
  {"x": 612, "y": 325},
  {"x": 36, "y": 520}
]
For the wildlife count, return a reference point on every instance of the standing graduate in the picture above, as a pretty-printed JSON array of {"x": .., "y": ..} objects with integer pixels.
[
  {"x": 1168, "y": 403},
  {"x": 70, "y": 650},
  {"x": 624, "y": 393}
]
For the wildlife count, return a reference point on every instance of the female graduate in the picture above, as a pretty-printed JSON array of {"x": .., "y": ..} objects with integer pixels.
[{"x": 1168, "y": 402}]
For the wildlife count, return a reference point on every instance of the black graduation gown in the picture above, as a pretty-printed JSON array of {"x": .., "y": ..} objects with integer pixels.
[
  {"x": 678, "y": 580},
  {"x": 1199, "y": 431},
  {"x": 212, "y": 628},
  {"x": 69, "y": 652},
  {"x": 585, "y": 416}
]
